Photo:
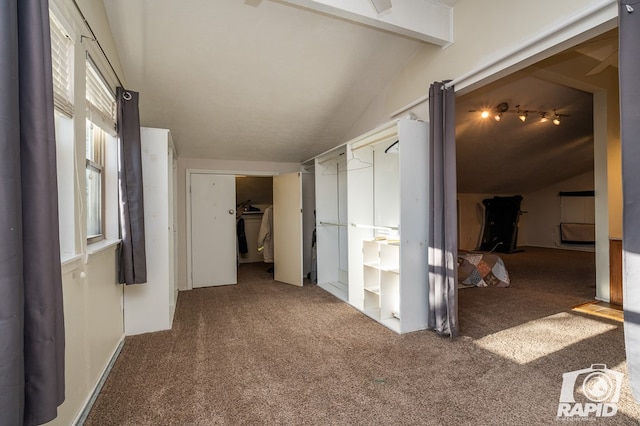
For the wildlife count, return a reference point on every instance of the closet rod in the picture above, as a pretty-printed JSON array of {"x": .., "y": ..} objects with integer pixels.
[
  {"x": 332, "y": 223},
  {"x": 381, "y": 228}
]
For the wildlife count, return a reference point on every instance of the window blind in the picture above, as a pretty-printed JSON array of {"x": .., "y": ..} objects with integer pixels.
[
  {"x": 101, "y": 102},
  {"x": 61, "y": 63}
]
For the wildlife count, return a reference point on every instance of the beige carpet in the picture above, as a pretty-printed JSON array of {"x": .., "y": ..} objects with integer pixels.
[{"x": 264, "y": 353}]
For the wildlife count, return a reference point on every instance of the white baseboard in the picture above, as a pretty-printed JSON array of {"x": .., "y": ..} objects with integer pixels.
[{"x": 79, "y": 421}]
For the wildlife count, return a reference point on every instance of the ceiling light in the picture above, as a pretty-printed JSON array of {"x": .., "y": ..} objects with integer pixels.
[
  {"x": 522, "y": 115},
  {"x": 503, "y": 108}
]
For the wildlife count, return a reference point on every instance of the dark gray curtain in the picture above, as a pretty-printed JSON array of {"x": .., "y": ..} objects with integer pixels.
[
  {"x": 133, "y": 260},
  {"x": 31, "y": 312},
  {"x": 443, "y": 231},
  {"x": 629, "y": 66}
]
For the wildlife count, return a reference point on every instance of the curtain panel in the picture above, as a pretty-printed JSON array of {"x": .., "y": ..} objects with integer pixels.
[
  {"x": 31, "y": 311},
  {"x": 629, "y": 64},
  {"x": 443, "y": 239},
  {"x": 133, "y": 262}
]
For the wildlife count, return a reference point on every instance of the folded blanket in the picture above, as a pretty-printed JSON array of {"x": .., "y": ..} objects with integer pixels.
[{"x": 482, "y": 270}]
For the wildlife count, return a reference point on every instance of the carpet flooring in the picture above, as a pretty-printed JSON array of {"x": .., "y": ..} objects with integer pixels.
[{"x": 266, "y": 353}]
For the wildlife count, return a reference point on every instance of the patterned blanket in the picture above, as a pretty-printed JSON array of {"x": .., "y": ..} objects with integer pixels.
[{"x": 482, "y": 270}]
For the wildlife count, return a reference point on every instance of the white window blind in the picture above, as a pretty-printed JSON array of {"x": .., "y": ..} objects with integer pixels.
[
  {"x": 61, "y": 64},
  {"x": 101, "y": 102}
]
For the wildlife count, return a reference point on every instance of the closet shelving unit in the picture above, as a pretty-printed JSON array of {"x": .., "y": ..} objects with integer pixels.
[
  {"x": 385, "y": 189},
  {"x": 331, "y": 222}
]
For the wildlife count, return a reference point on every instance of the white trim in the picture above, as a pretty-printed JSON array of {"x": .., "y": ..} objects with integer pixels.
[
  {"x": 82, "y": 416},
  {"x": 190, "y": 172},
  {"x": 230, "y": 172},
  {"x": 604, "y": 12},
  {"x": 410, "y": 105}
]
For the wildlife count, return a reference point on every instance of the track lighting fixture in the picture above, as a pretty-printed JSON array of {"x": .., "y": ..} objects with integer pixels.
[
  {"x": 503, "y": 108},
  {"x": 522, "y": 115}
]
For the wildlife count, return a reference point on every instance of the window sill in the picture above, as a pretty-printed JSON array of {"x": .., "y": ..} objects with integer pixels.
[
  {"x": 70, "y": 263},
  {"x": 103, "y": 246}
]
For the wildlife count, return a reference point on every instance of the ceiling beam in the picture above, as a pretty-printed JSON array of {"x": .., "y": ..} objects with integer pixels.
[{"x": 425, "y": 20}]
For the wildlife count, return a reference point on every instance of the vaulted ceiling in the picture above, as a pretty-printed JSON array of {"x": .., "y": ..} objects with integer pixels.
[
  {"x": 251, "y": 80},
  {"x": 271, "y": 80}
]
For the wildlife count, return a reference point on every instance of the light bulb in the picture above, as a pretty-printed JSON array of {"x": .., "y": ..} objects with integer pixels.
[
  {"x": 543, "y": 117},
  {"x": 523, "y": 117},
  {"x": 498, "y": 116},
  {"x": 556, "y": 120},
  {"x": 484, "y": 114}
]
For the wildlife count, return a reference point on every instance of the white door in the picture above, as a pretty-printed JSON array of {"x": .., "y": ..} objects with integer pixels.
[
  {"x": 213, "y": 230},
  {"x": 287, "y": 228}
]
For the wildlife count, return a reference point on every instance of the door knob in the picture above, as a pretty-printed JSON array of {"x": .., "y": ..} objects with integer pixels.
[{"x": 231, "y": 211}]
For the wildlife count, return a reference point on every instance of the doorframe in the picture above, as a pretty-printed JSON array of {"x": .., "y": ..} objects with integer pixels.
[{"x": 191, "y": 172}]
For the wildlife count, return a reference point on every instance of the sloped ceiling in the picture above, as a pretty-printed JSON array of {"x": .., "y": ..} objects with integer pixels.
[
  {"x": 251, "y": 80},
  {"x": 512, "y": 157}
]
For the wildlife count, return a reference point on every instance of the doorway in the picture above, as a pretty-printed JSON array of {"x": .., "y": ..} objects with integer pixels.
[{"x": 217, "y": 200}]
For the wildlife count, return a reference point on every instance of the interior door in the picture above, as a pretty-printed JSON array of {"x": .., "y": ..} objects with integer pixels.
[
  {"x": 287, "y": 228},
  {"x": 213, "y": 230}
]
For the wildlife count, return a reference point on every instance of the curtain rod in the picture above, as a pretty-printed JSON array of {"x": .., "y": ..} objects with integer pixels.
[{"x": 97, "y": 42}]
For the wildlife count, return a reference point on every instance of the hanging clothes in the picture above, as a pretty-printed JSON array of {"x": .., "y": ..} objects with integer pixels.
[
  {"x": 242, "y": 237},
  {"x": 265, "y": 236}
]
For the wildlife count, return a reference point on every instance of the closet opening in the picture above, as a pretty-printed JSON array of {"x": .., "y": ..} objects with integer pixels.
[
  {"x": 237, "y": 218},
  {"x": 254, "y": 220}
]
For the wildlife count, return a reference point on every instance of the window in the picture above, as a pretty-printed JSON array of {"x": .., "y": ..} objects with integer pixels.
[
  {"x": 62, "y": 54},
  {"x": 101, "y": 100},
  {"x": 95, "y": 143},
  {"x": 100, "y": 128},
  {"x": 62, "y": 66}
]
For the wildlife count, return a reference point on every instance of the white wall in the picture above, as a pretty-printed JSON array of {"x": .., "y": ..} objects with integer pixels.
[
  {"x": 93, "y": 314},
  {"x": 539, "y": 226},
  {"x": 234, "y": 167},
  {"x": 93, "y": 327}
]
